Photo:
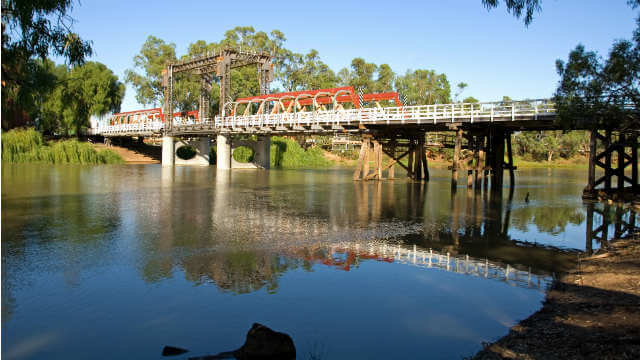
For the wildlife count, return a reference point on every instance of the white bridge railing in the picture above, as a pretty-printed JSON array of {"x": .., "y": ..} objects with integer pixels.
[
  {"x": 423, "y": 258},
  {"x": 419, "y": 114}
]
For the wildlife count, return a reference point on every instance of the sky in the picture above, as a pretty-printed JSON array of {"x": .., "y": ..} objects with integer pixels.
[{"x": 491, "y": 51}]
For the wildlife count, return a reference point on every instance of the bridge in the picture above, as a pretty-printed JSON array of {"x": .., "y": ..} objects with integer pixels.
[{"x": 386, "y": 125}]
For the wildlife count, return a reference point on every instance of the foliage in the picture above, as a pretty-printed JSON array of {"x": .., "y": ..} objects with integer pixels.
[
  {"x": 89, "y": 89},
  {"x": 460, "y": 89},
  {"x": 243, "y": 154},
  {"x": 517, "y": 7},
  {"x": 307, "y": 72},
  {"x": 601, "y": 92},
  {"x": 287, "y": 153},
  {"x": 424, "y": 87},
  {"x": 369, "y": 77},
  {"x": 37, "y": 28},
  {"x": 28, "y": 146},
  {"x": 293, "y": 71},
  {"x": 186, "y": 152},
  {"x": 153, "y": 57},
  {"x": 146, "y": 75},
  {"x": 529, "y": 7},
  {"x": 544, "y": 145},
  {"x": 33, "y": 29}
]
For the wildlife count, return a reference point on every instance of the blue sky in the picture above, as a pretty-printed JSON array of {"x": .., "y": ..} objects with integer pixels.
[{"x": 490, "y": 50}]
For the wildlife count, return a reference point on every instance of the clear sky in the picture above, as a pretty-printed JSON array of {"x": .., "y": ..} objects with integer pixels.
[{"x": 490, "y": 50}]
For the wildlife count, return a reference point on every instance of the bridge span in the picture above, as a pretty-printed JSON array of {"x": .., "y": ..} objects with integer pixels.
[
  {"x": 516, "y": 115},
  {"x": 398, "y": 131}
]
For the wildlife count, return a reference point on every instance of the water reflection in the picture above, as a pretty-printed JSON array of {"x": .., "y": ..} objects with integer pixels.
[
  {"x": 159, "y": 250},
  {"x": 601, "y": 218},
  {"x": 246, "y": 231}
]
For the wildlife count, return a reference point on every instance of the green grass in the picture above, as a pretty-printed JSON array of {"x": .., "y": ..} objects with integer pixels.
[
  {"x": 573, "y": 163},
  {"x": 243, "y": 154},
  {"x": 287, "y": 153},
  {"x": 28, "y": 146}
]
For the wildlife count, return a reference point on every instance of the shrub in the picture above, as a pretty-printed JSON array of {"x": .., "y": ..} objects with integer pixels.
[{"x": 28, "y": 146}]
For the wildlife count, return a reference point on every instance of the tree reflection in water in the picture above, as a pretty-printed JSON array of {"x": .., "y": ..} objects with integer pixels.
[{"x": 256, "y": 235}]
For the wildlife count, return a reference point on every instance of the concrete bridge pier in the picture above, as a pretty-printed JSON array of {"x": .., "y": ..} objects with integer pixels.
[
  {"x": 223, "y": 152},
  {"x": 262, "y": 156},
  {"x": 168, "y": 157}
]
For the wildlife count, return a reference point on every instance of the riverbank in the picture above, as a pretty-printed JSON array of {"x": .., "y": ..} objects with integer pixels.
[
  {"x": 573, "y": 163},
  {"x": 593, "y": 312},
  {"x": 28, "y": 146},
  {"x": 135, "y": 154},
  {"x": 577, "y": 163}
]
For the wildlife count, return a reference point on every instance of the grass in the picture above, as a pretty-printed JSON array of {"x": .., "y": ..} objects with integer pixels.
[
  {"x": 573, "y": 163},
  {"x": 577, "y": 162},
  {"x": 28, "y": 146},
  {"x": 287, "y": 153},
  {"x": 243, "y": 154}
]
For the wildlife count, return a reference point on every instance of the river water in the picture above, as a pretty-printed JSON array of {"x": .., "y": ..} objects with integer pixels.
[{"x": 118, "y": 261}]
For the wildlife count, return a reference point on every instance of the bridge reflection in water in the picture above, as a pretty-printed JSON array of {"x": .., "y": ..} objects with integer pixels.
[
  {"x": 409, "y": 266},
  {"x": 272, "y": 227}
]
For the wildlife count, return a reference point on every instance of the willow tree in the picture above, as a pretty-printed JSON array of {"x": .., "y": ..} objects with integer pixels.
[
  {"x": 82, "y": 91},
  {"x": 34, "y": 30}
]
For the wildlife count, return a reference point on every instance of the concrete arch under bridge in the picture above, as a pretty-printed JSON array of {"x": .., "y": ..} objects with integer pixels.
[{"x": 225, "y": 146}]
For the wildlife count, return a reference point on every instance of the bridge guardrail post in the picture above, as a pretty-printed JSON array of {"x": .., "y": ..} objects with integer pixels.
[
  {"x": 452, "y": 109},
  {"x": 471, "y": 113}
]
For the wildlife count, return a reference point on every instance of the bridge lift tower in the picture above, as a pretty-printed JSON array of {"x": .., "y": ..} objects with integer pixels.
[{"x": 218, "y": 63}]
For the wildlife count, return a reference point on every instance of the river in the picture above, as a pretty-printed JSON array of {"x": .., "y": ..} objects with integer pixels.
[{"x": 117, "y": 261}]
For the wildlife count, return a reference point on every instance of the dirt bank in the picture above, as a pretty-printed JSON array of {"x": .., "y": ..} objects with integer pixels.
[
  {"x": 135, "y": 153},
  {"x": 593, "y": 312}
]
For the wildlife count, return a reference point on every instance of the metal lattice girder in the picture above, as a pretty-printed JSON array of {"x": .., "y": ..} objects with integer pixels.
[{"x": 208, "y": 63}]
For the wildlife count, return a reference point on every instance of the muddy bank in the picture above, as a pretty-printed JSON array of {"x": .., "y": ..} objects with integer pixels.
[{"x": 593, "y": 312}]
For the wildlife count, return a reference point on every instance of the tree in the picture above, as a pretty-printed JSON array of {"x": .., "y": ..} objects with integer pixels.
[
  {"x": 470, "y": 100},
  {"x": 40, "y": 28},
  {"x": 517, "y": 8},
  {"x": 601, "y": 92},
  {"x": 385, "y": 80},
  {"x": 152, "y": 59},
  {"x": 459, "y": 89},
  {"x": 307, "y": 73},
  {"x": 146, "y": 75},
  {"x": 34, "y": 29},
  {"x": 89, "y": 89},
  {"x": 422, "y": 87},
  {"x": 529, "y": 7}
]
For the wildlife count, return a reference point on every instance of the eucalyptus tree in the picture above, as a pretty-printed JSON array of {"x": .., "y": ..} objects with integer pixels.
[
  {"x": 154, "y": 54},
  {"x": 604, "y": 92},
  {"x": 307, "y": 72},
  {"x": 424, "y": 87}
]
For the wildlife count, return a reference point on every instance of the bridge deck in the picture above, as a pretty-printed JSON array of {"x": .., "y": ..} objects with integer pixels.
[{"x": 533, "y": 115}]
